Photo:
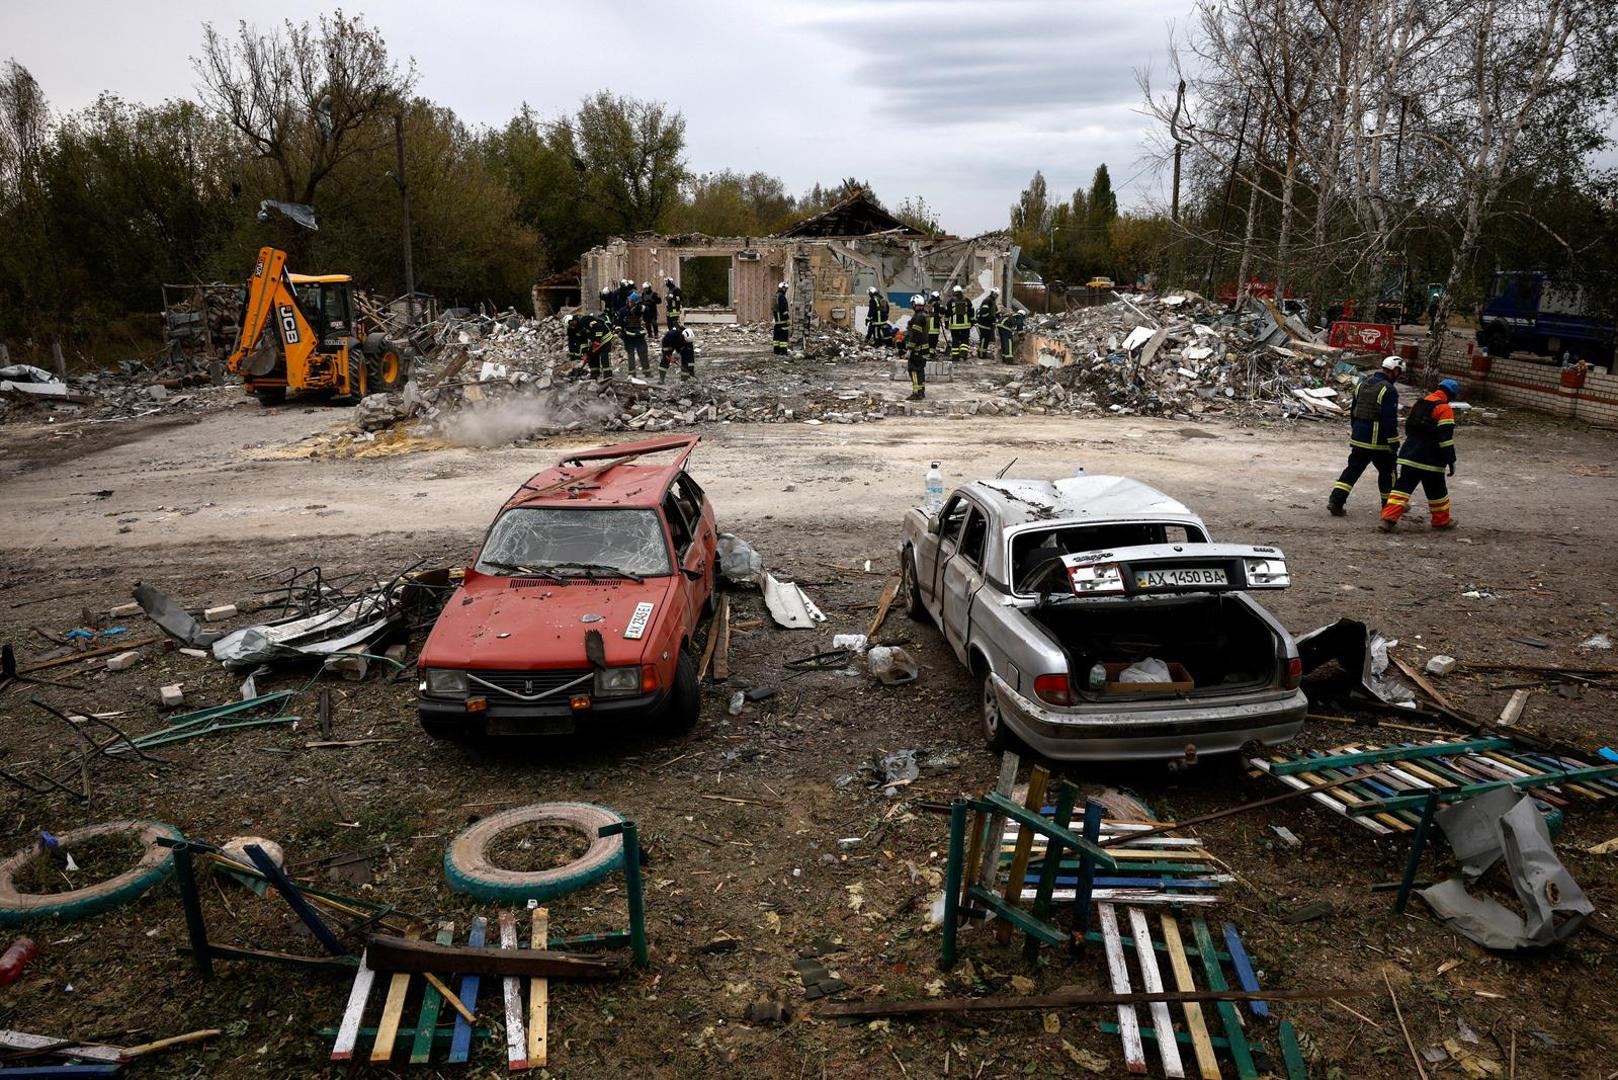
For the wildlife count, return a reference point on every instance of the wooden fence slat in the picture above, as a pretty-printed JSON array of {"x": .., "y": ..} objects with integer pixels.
[
  {"x": 1162, "y": 1022},
  {"x": 348, "y": 1033},
  {"x": 516, "y": 1036},
  {"x": 1207, "y": 1060},
  {"x": 460, "y": 1046},
  {"x": 1118, "y": 971},
  {"x": 421, "y": 1051}
]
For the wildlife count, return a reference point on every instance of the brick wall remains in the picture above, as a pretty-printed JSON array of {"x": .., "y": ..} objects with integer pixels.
[{"x": 1539, "y": 386}]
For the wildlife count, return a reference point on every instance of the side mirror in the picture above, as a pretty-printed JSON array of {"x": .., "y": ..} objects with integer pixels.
[
  {"x": 693, "y": 574},
  {"x": 934, "y": 524}
]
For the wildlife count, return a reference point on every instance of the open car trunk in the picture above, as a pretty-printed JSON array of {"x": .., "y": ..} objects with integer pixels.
[{"x": 1219, "y": 640}]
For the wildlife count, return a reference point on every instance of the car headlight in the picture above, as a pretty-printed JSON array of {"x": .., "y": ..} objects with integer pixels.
[
  {"x": 1271, "y": 573},
  {"x": 1097, "y": 578},
  {"x": 618, "y": 680},
  {"x": 443, "y": 681}
]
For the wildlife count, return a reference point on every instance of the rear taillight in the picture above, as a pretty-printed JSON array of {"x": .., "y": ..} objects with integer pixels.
[
  {"x": 1053, "y": 690},
  {"x": 1294, "y": 674}
]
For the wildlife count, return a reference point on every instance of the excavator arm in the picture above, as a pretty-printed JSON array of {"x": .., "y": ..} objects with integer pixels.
[{"x": 271, "y": 321}]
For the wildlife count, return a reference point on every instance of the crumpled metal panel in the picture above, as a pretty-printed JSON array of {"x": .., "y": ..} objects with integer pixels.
[{"x": 789, "y": 605}]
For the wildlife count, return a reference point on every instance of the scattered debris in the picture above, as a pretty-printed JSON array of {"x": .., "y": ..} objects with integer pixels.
[
  {"x": 892, "y": 666},
  {"x": 1440, "y": 664},
  {"x": 789, "y": 605}
]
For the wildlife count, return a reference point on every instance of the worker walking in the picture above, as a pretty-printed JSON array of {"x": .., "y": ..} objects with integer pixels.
[
  {"x": 958, "y": 312},
  {"x": 675, "y": 304},
  {"x": 986, "y": 317},
  {"x": 918, "y": 348},
  {"x": 597, "y": 335},
  {"x": 634, "y": 330},
  {"x": 679, "y": 343},
  {"x": 1428, "y": 450},
  {"x": 781, "y": 327},
  {"x": 1373, "y": 437},
  {"x": 650, "y": 300}
]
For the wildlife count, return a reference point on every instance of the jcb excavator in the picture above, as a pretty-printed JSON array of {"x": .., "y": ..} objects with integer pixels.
[{"x": 299, "y": 332}]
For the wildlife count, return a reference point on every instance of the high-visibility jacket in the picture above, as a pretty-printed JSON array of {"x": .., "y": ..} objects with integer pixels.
[
  {"x": 595, "y": 331},
  {"x": 1374, "y": 423},
  {"x": 959, "y": 314},
  {"x": 1429, "y": 434},
  {"x": 987, "y": 314},
  {"x": 676, "y": 302},
  {"x": 918, "y": 345},
  {"x": 881, "y": 308},
  {"x": 783, "y": 313}
]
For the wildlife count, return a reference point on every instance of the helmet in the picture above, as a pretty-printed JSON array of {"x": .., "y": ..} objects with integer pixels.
[
  {"x": 1452, "y": 388},
  {"x": 625, "y": 281},
  {"x": 688, "y": 335},
  {"x": 872, "y": 290},
  {"x": 935, "y": 294},
  {"x": 782, "y": 285},
  {"x": 1392, "y": 363},
  {"x": 668, "y": 281},
  {"x": 994, "y": 292},
  {"x": 917, "y": 300},
  {"x": 646, "y": 286},
  {"x": 566, "y": 319},
  {"x": 956, "y": 289}
]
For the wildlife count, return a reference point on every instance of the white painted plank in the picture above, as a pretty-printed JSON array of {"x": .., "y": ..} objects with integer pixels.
[
  {"x": 516, "y": 1034},
  {"x": 1131, "y": 896},
  {"x": 1118, "y": 971},
  {"x": 1162, "y": 1022},
  {"x": 1325, "y": 799},
  {"x": 22, "y": 1040},
  {"x": 348, "y": 1032}
]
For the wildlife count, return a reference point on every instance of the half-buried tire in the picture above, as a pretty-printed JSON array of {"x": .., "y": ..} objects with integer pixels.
[
  {"x": 468, "y": 869},
  {"x": 154, "y": 865}
]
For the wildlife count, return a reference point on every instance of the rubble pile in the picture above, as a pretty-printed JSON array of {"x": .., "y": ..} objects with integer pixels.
[
  {"x": 130, "y": 390},
  {"x": 1178, "y": 355}
]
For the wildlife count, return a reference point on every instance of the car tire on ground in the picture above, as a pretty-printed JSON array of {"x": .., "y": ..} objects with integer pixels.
[
  {"x": 995, "y": 733},
  {"x": 684, "y": 706},
  {"x": 468, "y": 870},
  {"x": 153, "y": 866},
  {"x": 912, "y": 588}
]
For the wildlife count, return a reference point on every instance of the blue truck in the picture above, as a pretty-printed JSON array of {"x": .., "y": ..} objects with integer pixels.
[{"x": 1529, "y": 312}]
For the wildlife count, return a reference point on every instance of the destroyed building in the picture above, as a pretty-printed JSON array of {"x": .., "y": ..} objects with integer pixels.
[{"x": 828, "y": 261}]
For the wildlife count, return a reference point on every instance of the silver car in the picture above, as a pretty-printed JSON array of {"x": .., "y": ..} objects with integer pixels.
[{"x": 1100, "y": 621}]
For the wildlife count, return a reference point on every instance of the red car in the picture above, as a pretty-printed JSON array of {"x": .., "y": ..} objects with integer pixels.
[{"x": 583, "y": 602}]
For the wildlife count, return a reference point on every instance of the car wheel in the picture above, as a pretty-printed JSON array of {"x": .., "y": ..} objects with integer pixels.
[
  {"x": 685, "y": 700},
  {"x": 994, "y": 722},
  {"x": 914, "y": 606}
]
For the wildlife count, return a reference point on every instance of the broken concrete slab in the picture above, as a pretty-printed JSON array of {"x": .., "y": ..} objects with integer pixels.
[
  {"x": 220, "y": 613},
  {"x": 122, "y": 661}
]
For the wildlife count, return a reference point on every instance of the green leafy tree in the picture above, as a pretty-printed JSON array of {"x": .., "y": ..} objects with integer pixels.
[{"x": 630, "y": 155}]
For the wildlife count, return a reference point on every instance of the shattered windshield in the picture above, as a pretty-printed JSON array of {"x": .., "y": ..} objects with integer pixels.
[{"x": 544, "y": 538}]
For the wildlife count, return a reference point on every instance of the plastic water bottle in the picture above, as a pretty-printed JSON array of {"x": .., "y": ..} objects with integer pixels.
[
  {"x": 1098, "y": 677},
  {"x": 1078, "y": 471},
  {"x": 934, "y": 500},
  {"x": 16, "y": 958}
]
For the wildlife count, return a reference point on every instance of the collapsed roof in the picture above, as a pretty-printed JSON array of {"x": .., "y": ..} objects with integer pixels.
[{"x": 856, "y": 214}]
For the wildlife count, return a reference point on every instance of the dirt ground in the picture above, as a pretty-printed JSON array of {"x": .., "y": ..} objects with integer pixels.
[{"x": 198, "y": 506}]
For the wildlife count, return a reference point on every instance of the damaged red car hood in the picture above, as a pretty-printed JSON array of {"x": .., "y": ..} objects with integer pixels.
[{"x": 497, "y": 623}]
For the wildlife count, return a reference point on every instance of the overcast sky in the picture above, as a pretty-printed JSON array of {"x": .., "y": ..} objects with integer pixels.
[{"x": 957, "y": 102}]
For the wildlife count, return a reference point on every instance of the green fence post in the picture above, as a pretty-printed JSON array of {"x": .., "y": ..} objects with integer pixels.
[{"x": 952, "y": 882}]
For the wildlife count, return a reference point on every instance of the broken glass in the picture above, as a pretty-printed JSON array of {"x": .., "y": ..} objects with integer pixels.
[{"x": 627, "y": 541}]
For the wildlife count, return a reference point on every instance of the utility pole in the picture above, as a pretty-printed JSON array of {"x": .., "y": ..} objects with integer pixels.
[{"x": 404, "y": 216}]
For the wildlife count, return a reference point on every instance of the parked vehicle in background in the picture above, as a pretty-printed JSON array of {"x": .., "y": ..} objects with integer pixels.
[
  {"x": 1099, "y": 283},
  {"x": 582, "y": 604},
  {"x": 1051, "y": 592},
  {"x": 1529, "y": 312}
]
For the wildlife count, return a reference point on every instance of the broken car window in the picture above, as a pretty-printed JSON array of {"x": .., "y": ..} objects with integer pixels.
[
  {"x": 973, "y": 538},
  {"x": 953, "y": 518},
  {"x": 1035, "y": 552},
  {"x": 678, "y": 527},
  {"x": 545, "y": 537}
]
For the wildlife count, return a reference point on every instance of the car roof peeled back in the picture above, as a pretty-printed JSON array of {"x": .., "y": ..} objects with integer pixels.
[
  {"x": 607, "y": 476},
  {"x": 1098, "y": 498}
]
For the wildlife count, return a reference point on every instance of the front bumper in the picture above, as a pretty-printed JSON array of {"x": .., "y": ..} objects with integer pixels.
[
  {"x": 1267, "y": 716},
  {"x": 518, "y": 718}
]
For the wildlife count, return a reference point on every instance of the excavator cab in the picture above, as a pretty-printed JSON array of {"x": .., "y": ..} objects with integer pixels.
[{"x": 300, "y": 332}]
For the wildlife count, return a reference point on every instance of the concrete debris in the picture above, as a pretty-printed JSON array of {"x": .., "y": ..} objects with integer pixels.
[
  {"x": 122, "y": 661},
  {"x": 172, "y": 696},
  {"x": 220, "y": 613}
]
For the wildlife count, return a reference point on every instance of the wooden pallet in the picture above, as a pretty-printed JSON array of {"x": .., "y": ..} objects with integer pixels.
[
  {"x": 1151, "y": 953},
  {"x": 1391, "y": 781},
  {"x": 522, "y": 1050},
  {"x": 1156, "y": 870}
]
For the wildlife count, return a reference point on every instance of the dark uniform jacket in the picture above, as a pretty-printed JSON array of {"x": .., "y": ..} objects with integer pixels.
[
  {"x": 675, "y": 344},
  {"x": 959, "y": 313},
  {"x": 1375, "y": 418},
  {"x": 1429, "y": 434}
]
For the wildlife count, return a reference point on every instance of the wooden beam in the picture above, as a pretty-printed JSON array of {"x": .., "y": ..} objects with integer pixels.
[
  {"x": 516, "y": 1037},
  {"x": 1035, "y": 802},
  {"x": 539, "y": 990},
  {"x": 386, "y": 953},
  {"x": 889, "y": 592},
  {"x": 90, "y": 654},
  {"x": 708, "y": 649},
  {"x": 721, "y": 659},
  {"x": 1063, "y": 999}
]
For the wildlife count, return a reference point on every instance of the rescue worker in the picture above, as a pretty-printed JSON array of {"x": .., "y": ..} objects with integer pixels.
[
  {"x": 1428, "y": 450},
  {"x": 958, "y": 313},
  {"x": 609, "y": 298},
  {"x": 681, "y": 343},
  {"x": 573, "y": 326},
  {"x": 634, "y": 331},
  {"x": 918, "y": 348},
  {"x": 675, "y": 304},
  {"x": 625, "y": 287},
  {"x": 873, "y": 314},
  {"x": 596, "y": 333},
  {"x": 935, "y": 322},
  {"x": 884, "y": 328},
  {"x": 650, "y": 299},
  {"x": 1373, "y": 437},
  {"x": 986, "y": 318},
  {"x": 1008, "y": 324},
  {"x": 781, "y": 326}
]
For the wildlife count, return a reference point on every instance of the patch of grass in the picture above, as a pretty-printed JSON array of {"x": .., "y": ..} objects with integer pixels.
[
  {"x": 98, "y": 858},
  {"x": 529, "y": 849}
]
